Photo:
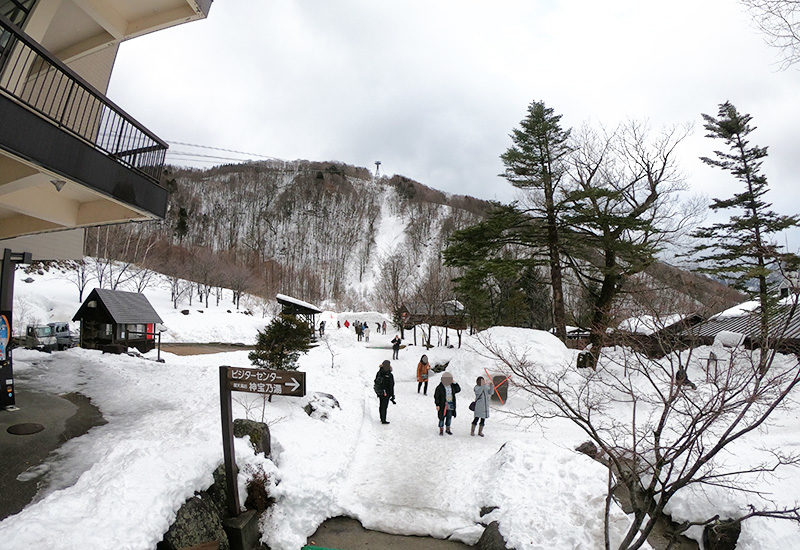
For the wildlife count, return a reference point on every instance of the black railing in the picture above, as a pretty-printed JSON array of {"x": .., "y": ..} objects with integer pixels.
[{"x": 30, "y": 75}]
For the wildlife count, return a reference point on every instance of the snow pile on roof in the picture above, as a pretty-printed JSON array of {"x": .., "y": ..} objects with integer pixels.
[
  {"x": 295, "y": 301},
  {"x": 738, "y": 310},
  {"x": 649, "y": 324}
]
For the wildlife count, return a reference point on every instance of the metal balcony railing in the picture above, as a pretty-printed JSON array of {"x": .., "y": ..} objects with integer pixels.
[{"x": 30, "y": 75}]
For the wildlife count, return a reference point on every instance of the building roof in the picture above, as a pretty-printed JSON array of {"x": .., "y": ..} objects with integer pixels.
[
  {"x": 297, "y": 305},
  {"x": 124, "y": 307},
  {"x": 784, "y": 324}
]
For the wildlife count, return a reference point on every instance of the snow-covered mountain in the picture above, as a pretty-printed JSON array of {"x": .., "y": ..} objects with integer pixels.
[{"x": 319, "y": 230}]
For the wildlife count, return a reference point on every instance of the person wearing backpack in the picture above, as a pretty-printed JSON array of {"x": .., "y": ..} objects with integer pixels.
[
  {"x": 365, "y": 331},
  {"x": 423, "y": 368},
  {"x": 445, "y": 398},
  {"x": 483, "y": 391},
  {"x": 384, "y": 389}
]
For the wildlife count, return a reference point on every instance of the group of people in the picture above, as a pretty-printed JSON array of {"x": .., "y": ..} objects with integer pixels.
[
  {"x": 362, "y": 329},
  {"x": 444, "y": 396}
]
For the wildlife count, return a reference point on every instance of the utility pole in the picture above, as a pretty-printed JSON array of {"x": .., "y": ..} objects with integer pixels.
[{"x": 377, "y": 169}]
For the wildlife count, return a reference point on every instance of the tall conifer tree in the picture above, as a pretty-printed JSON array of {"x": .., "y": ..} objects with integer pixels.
[
  {"x": 537, "y": 160},
  {"x": 742, "y": 250}
]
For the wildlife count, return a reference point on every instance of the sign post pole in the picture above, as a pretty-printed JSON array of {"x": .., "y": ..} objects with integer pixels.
[
  {"x": 227, "y": 443},
  {"x": 277, "y": 382}
]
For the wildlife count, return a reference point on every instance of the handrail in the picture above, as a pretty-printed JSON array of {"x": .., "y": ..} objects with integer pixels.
[{"x": 31, "y": 75}]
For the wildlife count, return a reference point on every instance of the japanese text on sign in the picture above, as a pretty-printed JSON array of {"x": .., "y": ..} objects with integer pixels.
[
  {"x": 257, "y": 387},
  {"x": 251, "y": 374}
]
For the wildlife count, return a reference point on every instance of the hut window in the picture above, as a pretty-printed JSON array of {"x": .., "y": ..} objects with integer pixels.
[
  {"x": 107, "y": 329},
  {"x": 92, "y": 303}
]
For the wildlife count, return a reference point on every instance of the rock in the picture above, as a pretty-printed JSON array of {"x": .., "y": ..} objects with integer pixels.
[
  {"x": 198, "y": 521},
  {"x": 485, "y": 510},
  {"x": 588, "y": 448},
  {"x": 200, "y": 311},
  {"x": 258, "y": 432},
  {"x": 440, "y": 367},
  {"x": 492, "y": 539},
  {"x": 27, "y": 280},
  {"x": 185, "y": 311},
  {"x": 722, "y": 534},
  {"x": 217, "y": 494},
  {"x": 320, "y": 405}
]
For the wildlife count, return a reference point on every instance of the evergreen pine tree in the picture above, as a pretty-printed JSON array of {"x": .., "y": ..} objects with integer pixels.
[
  {"x": 280, "y": 344},
  {"x": 182, "y": 225},
  {"x": 537, "y": 160},
  {"x": 742, "y": 250}
]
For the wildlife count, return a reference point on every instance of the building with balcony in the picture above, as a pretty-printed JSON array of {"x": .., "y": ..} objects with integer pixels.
[{"x": 70, "y": 158}]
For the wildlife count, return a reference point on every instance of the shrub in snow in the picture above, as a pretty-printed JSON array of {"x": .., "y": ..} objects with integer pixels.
[{"x": 258, "y": 489}]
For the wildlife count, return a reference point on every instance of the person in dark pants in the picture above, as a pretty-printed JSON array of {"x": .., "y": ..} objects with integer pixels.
[
  {"x": 396, "y": 347},
  {"x": 445, "y": 398},
  {"x": 384, "y": 389},
  {"x": 423, "y": 368}
]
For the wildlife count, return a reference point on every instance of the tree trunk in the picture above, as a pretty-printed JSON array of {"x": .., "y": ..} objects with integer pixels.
[
  {"x": 553, "y": 246},
  {"x": 602, "y": 307}
]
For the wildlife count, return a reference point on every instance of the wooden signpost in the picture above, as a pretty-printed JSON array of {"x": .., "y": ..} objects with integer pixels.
[{"x": 268, "y": 382}]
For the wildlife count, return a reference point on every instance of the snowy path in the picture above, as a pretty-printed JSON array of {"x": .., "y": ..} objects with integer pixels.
[{"x": 162, "y": 442}]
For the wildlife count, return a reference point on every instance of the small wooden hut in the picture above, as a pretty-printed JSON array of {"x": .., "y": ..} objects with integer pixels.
[
  {"x": 299, "y": 308},
  {"x": 112, "y": 320}
]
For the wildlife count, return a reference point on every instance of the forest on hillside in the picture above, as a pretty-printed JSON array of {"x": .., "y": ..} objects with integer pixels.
[{"x": 321, "y": 231}]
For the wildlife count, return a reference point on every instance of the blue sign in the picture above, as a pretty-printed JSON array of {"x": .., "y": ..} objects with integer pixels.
[{"x": 5, "y": 335}]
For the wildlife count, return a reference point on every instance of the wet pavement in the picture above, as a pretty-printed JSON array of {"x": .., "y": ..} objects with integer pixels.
[
  {"x": 347, "y": 534},
  {"x": 63, "y": 417}
]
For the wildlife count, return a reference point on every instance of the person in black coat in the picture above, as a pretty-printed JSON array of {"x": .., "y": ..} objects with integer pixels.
[
  {"x": 396, "y": 347},
  {"x": 445, "y": 398},
  {"x": 384, "y": 389}
]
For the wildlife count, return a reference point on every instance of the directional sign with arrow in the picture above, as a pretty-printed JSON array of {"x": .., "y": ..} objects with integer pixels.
[{"x": 274, "y": 382}]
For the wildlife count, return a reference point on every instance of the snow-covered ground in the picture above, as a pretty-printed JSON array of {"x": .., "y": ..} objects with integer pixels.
[{"x": 120, "y": 485}]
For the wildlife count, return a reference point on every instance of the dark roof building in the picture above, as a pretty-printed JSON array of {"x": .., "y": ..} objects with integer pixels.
[
  {"x": 784, "y": 328},
  {"x": 112, "y": 320}
]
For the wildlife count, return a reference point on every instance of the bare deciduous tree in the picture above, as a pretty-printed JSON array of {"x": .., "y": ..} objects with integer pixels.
[
  {"x": 655, "y": 434},
  {"x": 780, "y": 22},
  {"x": 79, "y": 273}
]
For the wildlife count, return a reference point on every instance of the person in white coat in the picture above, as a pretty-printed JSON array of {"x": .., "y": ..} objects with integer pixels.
[{"x": 483, "y": 391}]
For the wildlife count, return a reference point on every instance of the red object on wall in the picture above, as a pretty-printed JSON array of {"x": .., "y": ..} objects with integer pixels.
[{"x": 150, "y": 331}]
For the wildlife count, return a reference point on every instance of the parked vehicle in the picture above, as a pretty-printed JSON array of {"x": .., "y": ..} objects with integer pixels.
[
  {"x": 49, "y": 337},
  {"x": 40, "y": 337},
  {"x": 65, "y": 338}
]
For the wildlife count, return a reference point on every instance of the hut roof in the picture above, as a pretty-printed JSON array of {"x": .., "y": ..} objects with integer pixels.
[
  {"x": 124, "y": 307},
  {"x": 298, "y": 306},
  {"x": 784, "y": 324}
]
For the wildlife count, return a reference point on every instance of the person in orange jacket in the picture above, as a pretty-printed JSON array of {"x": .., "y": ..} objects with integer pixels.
[{"x": 422, "y": 374}]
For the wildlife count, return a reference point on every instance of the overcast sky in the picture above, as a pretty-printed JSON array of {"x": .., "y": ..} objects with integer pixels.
[{"x": 433, "y": 88}]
